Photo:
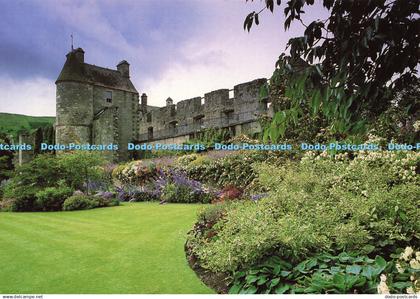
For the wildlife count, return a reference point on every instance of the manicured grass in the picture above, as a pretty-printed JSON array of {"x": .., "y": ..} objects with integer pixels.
[{"x": 134, "y": 248}]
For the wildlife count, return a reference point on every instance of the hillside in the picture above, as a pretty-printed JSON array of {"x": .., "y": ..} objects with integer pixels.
[{"x": 11, "y": 124}]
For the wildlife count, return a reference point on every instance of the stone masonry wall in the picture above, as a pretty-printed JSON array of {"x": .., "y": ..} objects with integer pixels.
[
  {"x": 180, "y": 121},
  {"x": 74, "y": 108}
]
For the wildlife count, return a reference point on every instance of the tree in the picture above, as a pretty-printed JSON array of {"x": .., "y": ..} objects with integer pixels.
[
  {"x": 82, "y": 168},
  {"x": 353, "y": 60},
  {"x": 6, "y": 159}
]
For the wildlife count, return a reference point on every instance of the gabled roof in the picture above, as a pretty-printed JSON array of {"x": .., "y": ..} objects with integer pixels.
[{"x": 75, "y": 70}]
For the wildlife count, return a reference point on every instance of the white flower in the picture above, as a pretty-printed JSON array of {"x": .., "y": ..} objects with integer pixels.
[
  {"x": 410, "y": 290},
  {"x": 399, "y": 268},
  {"x": 406, "y": 255},
  {"x": 382, "y": 286},
  {"x": 416, "y": 125},
  {"x": 418, "y": 256},
  {"x": 415, "y": 264}
]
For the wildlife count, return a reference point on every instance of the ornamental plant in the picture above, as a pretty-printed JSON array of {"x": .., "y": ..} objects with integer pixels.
[{"x": 317, "y": 205}]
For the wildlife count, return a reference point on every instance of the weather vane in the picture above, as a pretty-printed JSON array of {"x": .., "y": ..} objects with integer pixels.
[{"x": 72, "y": 48}]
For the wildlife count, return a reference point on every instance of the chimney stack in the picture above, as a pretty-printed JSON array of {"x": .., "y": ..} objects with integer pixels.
[{"x": 124, "y": 68}]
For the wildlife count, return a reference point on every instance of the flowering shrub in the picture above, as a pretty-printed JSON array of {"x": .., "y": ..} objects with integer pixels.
[
  {"x": 402, "y": 165},
  {"x": 229, "y": 170},
  {"x": 315, "y": 206},
  {"x": 405, "y": 278},
  {"x": 185, "y": 160},
  {"x": 135, "y": 172},
  {"x": 177, "y": 188},
  {"x": 137, "y": 193},
  {"x": 229, "y": 192}
]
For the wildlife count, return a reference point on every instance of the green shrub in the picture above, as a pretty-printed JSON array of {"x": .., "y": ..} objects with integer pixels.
[
  {"x": 80, "y": 202},
  {"x": 318, "y": 205},
  {"x": 43, "y": 171},
  {"x": 48, "y": 171},
  {"x": 230, "y": 170},
  {"x": 325, "y": 273},
  {"x": 85, "y": 202},
  {"x": 185, "y": 160},
  {"x": 105, "y": 199},
  {"x": 52, "y": 198},
  {"x": 82, "y": 167}
]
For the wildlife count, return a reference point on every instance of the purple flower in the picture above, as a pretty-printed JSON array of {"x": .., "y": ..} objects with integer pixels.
[{"x": 257, "y": 197}]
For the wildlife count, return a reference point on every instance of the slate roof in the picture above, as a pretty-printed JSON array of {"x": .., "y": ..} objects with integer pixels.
[{"x": 76, "y": 71}]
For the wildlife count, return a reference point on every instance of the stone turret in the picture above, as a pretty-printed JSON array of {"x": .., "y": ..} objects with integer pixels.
[
  {"x": 169, "y": 102},
  {"x": 74, "y": 104},
  {"x": 96, "y": 105}
]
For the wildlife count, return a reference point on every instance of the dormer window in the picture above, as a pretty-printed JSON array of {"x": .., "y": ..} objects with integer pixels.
[{"x": 108, "y": 97}]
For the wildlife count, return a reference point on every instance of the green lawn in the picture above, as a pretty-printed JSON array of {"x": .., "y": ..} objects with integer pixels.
[{"x": 134, "y": 248}]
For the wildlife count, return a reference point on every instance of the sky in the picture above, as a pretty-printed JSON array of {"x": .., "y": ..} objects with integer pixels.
[{"x": 176, "y": 48}]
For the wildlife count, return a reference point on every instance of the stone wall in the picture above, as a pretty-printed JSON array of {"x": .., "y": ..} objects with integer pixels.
[
  {"x": 85, "y": 116},
  {"x": 74, "y": 107},
  {"x": 218, "y": 110}
]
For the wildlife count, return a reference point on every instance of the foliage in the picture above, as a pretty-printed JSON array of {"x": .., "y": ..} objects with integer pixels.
[
  {"x": 6, "y": 159},
  {"x": 318, "y": 205},
  {"x": 134, "y": 193},
  {"x": 43, "y": 171},
  {"x": 177, "y": 188},
  {"x": 325, "y": 273},
  {"x": 229, "y": 170},
  {"x": 208, "y": 137},
  {"x": 52, "y": 198},
  {"x": 351, "y": 60},
  {"x": 81, "y": 168},
  {"x": 75, "y": 171},
  {"x": 135, "y": 172},
  {"x": 229, "y": 192},
  {"x": 105, "y": 199},
  {"x": 12, "y": 124},
  {"x": 185, "y": 160},
  {"x": 78, "y": 202},
  {"x": 405, "y": 274}
]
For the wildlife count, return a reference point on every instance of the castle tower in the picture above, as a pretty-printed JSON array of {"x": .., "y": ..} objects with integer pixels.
[
  {"x": 96, "y": 105},
  {"x": 74, "y": 105}
]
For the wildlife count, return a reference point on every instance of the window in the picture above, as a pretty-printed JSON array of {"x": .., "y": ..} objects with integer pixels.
[
  {"x": 173, "y": 124},
  {"x": 108, "y": 96},
  {"x": 230, "y": 115},
  {"x": 150, "y": 133},
  {"x": 149, "y": 117}
]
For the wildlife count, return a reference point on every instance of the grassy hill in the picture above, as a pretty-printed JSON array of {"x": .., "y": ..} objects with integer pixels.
[{"x": 11, "y": 124}]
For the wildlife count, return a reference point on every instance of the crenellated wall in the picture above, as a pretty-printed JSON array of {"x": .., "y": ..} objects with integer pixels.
[{"x": 215, "y": 110}]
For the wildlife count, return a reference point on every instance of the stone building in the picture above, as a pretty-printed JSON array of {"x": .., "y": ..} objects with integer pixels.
[
  {"x": 237, "y": 110},
  {"x": 97, "y": 105}
]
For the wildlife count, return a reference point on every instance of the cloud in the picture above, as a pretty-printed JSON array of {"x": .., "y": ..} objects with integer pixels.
[
  {"x": 34, "y": 96},
  {"x": 177, "y": 48}
]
